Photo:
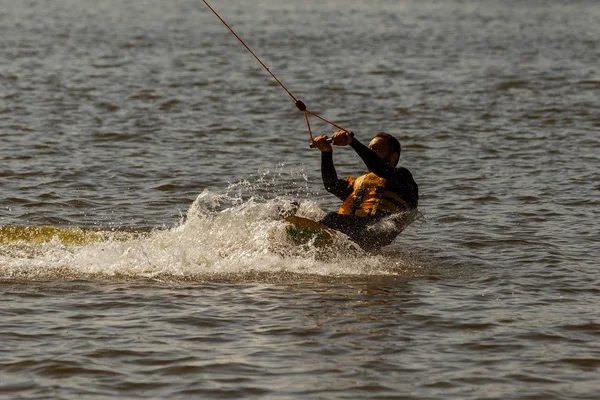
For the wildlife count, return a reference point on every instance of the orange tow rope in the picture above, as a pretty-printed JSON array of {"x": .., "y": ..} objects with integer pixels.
[{"x": 299, "y": 104}]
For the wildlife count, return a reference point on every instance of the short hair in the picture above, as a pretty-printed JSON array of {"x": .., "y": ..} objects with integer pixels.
[{"x": 392, "y": 142}]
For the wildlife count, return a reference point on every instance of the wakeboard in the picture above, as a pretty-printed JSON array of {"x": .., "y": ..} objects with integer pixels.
[
  {"x": 306, "y": 231},
  {"x": 325, "y": 243}
]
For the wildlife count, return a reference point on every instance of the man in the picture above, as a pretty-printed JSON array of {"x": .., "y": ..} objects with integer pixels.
[{"x": 376, "y": 206}]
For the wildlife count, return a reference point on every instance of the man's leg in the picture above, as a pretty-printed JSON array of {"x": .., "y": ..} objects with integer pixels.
[
  {"x": 350, "y": 225},
  {"x": 356, "y": 229}
]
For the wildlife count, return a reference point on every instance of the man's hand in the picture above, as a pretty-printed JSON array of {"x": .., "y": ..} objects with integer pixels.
[
  {"x": 341, "y": 138},
  {"x": 320, "y": 142}
]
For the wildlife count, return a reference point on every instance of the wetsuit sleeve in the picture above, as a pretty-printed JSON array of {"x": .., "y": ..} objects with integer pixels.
[
  {"x": 400, "y": 179},
  {"x": 338, "y": 187},
  {"x": 373, "y": 162}
]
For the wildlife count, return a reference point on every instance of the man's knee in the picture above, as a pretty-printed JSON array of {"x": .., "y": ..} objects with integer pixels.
[{"x": 339, "y": 222}]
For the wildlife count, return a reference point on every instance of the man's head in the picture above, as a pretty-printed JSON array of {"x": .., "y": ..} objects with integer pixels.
[{"x": 387, "y": 147}]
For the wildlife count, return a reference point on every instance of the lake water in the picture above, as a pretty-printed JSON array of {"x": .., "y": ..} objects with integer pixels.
[{"x": 145, "y": 154}]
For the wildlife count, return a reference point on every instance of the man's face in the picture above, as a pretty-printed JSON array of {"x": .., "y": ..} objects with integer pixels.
[{"x": 380, "y": 147}]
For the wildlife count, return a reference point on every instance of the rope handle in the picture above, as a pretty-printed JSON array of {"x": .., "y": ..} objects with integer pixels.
[{"x": 328, "y": 140}]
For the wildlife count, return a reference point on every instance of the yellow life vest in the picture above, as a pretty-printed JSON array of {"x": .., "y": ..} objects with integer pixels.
[{"x": 370, "y": 198}]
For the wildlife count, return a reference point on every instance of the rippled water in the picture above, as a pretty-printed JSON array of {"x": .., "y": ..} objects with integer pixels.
[{"x": 145, "y": 155}]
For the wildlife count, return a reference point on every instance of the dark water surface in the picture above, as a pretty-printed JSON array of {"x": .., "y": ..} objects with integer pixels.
[{"x": 155, "y": 152}]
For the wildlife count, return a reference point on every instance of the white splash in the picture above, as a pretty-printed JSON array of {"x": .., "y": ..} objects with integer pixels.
[{"x": 222, "y": 235}]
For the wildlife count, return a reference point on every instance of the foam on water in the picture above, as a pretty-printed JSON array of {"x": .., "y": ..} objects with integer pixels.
[{"x": 223, "y": 237}]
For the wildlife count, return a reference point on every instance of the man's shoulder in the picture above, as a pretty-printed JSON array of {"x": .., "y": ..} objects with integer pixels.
[
  {"x": 403, "y": 169},
  {"x": 404, "y": 173}
]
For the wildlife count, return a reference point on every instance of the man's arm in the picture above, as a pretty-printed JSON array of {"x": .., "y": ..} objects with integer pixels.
[
  {"x": 333, "y": 185},
  {"x": 374, "y": 163},
  {"x": 398, "y": 178},
  {"x": 338, "y": 187}
]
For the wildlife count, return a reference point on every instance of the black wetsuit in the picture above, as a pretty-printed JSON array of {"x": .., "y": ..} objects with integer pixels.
[{"x": 398, "y": 181}]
